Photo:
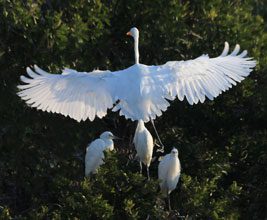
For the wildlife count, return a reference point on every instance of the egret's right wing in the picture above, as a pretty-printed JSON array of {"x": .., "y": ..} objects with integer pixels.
[{"x": 207, "y": 77}]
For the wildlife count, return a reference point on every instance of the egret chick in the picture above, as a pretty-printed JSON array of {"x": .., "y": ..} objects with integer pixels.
[
  {"x": 143, "y": 142},
  {"x": 95, "y": 152},
  {"x": 169, "y": 173}
]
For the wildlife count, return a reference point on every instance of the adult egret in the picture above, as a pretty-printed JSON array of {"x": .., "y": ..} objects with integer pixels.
[
  {"x": 95, "y": 152},
  {"x": 169, "y": 173},
  {"x": 143, "y": 142},
  {"x": 138, "y": 92}
]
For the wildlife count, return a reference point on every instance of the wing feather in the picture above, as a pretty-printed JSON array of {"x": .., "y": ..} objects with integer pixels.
[
  {"x": 75, "y": 94},
  {"x": 225, "y": 50},
  {"x": 142, "y": 91},
  {"x": 208, "y": 77}
]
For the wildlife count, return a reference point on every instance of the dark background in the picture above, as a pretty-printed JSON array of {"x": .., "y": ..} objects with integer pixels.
[{"x": 222, "y": 143}]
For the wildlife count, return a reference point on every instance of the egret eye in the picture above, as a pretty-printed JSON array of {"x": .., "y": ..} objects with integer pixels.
[{"x": 175, "y": 152}]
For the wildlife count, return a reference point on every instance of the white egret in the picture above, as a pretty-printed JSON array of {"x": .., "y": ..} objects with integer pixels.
[
  {"x": 138, "y": 92},
  {"x": 169, "y": 171},
  {"x": 143, "y": 142},
  {"x": 95, "y": 152}
]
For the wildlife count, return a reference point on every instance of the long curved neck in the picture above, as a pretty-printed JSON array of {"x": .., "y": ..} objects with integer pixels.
[
  {"x": 109, "y": 144},
  {"x": 140, "y": 125},
  {"x": 136, "y": 50}
]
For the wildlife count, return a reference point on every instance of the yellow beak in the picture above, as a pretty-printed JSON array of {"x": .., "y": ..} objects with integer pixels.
[{"x": 129, "y": 33}]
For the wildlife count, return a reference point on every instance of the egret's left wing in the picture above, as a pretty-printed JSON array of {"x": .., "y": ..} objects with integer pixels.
[
  {"x": 82, "y": 95},
  {"x": 79, "y": 95},
  {"x": 204, "y": 76}
]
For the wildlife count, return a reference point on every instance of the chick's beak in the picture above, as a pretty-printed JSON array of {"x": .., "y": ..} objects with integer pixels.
[
  {"x": 128, "y": 33},
  {"x": 115, "y": 137}
]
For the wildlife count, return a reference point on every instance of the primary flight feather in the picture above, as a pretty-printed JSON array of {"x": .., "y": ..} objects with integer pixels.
[{"x": 139, "y": 92}]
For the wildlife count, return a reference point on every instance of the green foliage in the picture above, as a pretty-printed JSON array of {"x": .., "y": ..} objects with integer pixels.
[
  {"x": 5, "y": 215},
  {"x": 222, "y": 144},
  {"x": 131, "y": 194}
]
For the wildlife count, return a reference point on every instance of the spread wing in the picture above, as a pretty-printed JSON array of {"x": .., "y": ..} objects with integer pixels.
[
  {"x": 145, "y": 90},
  {"x": 207, "y": 77},
  {"x": 80, "y": 95},
  {"x": 141, "y": 90}
]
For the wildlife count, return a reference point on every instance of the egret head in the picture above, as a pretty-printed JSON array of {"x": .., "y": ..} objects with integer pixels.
[
  {"x": 133, "y": 32},
  {"x": 108, "y": 135},
  {"x": 174, "y": 152}
]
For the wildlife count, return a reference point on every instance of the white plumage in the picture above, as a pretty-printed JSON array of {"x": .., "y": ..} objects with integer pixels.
[
  {"x": 138, "y": 92},
  {"x": 169, "y": 171},
  {"x": 143, "y": 142},
  {"x": 95, "y": 152}
]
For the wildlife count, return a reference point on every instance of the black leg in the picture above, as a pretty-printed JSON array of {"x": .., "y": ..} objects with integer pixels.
[
  {"x": 169, "y": 202},
  {"x": 147, "y": 170}
]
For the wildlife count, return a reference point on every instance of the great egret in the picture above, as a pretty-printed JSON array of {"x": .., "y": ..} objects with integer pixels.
[
  {"x": 169, "y": 171},
  {"x": 95, "y": 152},
  {"x": 143, "y": 142},
  {"x": 138, "y": 92}
]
